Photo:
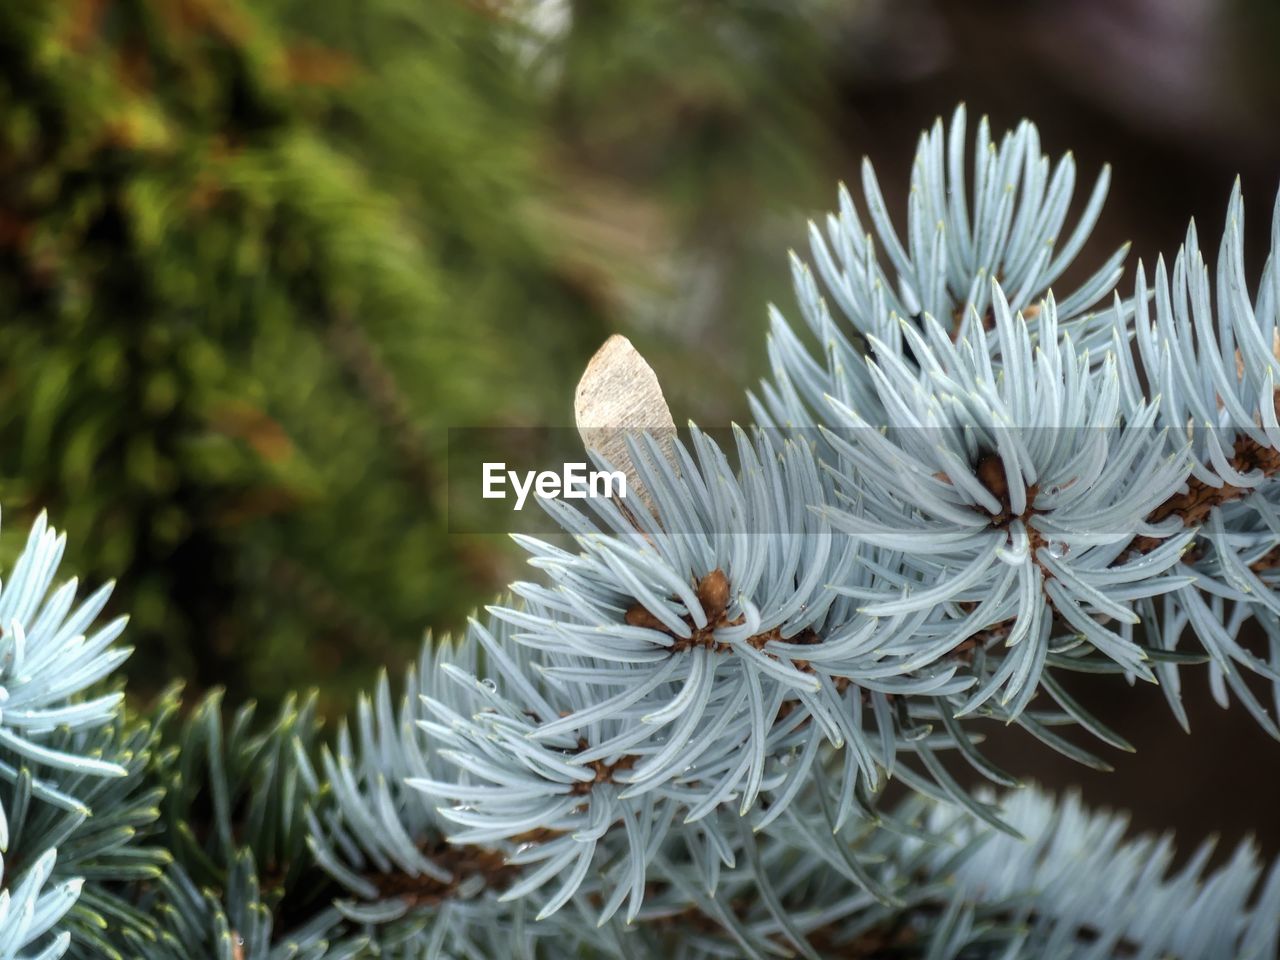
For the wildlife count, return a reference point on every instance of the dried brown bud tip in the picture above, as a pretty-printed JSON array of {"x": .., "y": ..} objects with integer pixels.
[
  {"x": 713, "y": 594},
  {"x": 990, "y": 473},
  {"x": 638, "y": 616}
]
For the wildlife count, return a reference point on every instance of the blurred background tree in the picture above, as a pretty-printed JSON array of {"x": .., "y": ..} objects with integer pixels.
[
  {"x": 257, "y": 256},
  {"x": 248, "y": 274},
  {"x": 255, "y": 259}
]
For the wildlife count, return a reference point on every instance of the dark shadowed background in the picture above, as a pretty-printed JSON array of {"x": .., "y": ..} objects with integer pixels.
[{"x": 256, "y": 259}]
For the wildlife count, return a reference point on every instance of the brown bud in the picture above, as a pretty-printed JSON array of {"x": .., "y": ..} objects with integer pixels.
[
  {"x": 638, "y": 616},
  {"x": 990, "y": 472},
  {"x": 619, "y": 396},
  {"x": 713, "y": 594}
]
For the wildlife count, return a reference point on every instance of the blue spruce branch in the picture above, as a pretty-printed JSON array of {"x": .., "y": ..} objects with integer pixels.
[{"x": 675, "y": 740}]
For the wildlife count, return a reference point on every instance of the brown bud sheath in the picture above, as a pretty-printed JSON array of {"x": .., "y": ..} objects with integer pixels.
[
  {"x": 619, "y": 395},
  {"x": 713, "y": 594},
  {"x": 638, "y": 616}
]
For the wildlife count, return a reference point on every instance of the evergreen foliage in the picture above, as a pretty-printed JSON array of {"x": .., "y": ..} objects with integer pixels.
[
  {"x": 251, "y": 265},
  {"x": 264, "y": 254},
  {"x": 677, "y": 740}
]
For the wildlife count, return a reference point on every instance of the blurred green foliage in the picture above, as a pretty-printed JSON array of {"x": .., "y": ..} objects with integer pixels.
[
  {"x": 246, "y": 279},
  {"x": 257, "y": 257}
]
